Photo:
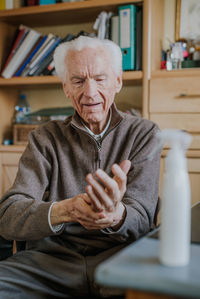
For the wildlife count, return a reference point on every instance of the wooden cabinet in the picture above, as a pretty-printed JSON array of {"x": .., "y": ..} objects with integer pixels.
[
  {"x": 60, "y": 19},
  {"x": 174, "y": 102},
  {"x": 174, "y": 99},
  {"x": 193, "y": 164},
  {"x": 9, "y": 159}
]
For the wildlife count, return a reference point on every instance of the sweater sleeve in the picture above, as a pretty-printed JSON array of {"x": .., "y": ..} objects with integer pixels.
[
  {"x": 141, "y": 197},
  {"x": 23, "y": 212}
]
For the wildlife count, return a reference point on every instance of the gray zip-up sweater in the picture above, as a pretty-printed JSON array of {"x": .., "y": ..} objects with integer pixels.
[{"x": 53, "y": 167}]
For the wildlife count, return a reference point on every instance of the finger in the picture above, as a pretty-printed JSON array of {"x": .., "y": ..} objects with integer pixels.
[
  {"x": 90, "y": 218},
  {"x": 100, "y": 192},
  {"x": 86, "y": 198},
  {"x": 110, "y": 184},
  {"x": 119, "y": 176},
  {"x": 98, "y": 224},
  {"x": 96, "y": 204},
  {"x": 125, "y": 166}
]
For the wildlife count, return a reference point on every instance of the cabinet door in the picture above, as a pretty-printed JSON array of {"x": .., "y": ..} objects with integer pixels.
[
  {"x": 8, "y": 170},
  {"x": 193, "y": 165}
]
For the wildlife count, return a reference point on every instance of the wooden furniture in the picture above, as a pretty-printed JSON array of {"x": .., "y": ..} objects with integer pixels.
[
  {"x": 60, "y": 18},
  {"x": 9, "y": 158},
  {"x": 173, "y": 96}
]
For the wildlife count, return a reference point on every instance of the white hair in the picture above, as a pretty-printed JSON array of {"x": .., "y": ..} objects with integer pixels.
[{"x": 83, "y": 42}]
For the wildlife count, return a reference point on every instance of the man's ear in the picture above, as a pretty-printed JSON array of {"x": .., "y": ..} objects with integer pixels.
[{"x": 119, "y": 83}]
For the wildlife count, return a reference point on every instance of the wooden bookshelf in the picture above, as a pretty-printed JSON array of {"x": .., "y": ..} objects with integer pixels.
[
  {"x": 61, "y": 13},
  {"x": 51, "y": 16},
  {"x": 128, "y": 77}
]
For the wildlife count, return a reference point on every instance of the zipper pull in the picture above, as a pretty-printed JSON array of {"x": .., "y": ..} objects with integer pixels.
[{"x": 99, "y": 157}]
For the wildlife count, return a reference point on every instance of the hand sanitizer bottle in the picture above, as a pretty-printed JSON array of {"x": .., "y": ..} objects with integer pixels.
[{"x": 175, "y": 201}]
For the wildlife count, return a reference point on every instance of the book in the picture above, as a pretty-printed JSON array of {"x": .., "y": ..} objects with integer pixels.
[
  {"x": 48, "y": 63},
  {"x": 9, "y": 4},
  {"x": 46, "y": 54},
  {"x": 138, "y": 42},
  {"x": 2, "y": 4},
  {"x": 18, "y": 3},
  {"x": 127, "y": 35},
  {"x": 32, "y": 2},
  {"x": 43, "y": 65},
  {"x": 115, "y": 29},
  {"x": 27, "y": 68},
  {"x": 21, "y": 33},
  {"x": 44, "y": 2},
  {"x": 30, "y": 55},
  {"x": 108, "y": 25},
  {"x": 27, "y": 44}
]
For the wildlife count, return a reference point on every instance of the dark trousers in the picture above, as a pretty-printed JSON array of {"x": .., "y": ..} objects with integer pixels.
[
  {"x": 5, "y": 248},
  {"x": 33, "y": 274}
]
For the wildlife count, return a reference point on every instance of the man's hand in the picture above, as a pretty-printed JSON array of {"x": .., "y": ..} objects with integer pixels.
[
  {"x": 76, "y": 209},
  {"x": 99, "y": 207},
  {"x": 108, "y": 198}
]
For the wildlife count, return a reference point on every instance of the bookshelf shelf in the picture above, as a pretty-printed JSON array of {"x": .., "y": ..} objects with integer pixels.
[
  {"x": 176, "y": 73},
  {"x": 49, "y": 80},
  {"x": 76, "y": 12}
]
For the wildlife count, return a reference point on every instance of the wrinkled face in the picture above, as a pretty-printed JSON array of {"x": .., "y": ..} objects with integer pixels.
[{"x": 91, "y": 85}]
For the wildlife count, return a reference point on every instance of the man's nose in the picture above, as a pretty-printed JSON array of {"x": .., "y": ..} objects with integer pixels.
[{"x": 90, "y": 88}]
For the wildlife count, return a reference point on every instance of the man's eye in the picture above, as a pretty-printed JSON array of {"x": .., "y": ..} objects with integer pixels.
[
  {"x": 78, "y": 82},
  {"x": 100, "y": 79}
]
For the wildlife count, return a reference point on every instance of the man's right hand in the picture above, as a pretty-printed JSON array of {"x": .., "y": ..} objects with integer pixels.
[{"x": 76, "y": 209}]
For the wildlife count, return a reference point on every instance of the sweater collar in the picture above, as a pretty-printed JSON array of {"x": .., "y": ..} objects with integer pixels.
[{"x": 116, "y": 118}]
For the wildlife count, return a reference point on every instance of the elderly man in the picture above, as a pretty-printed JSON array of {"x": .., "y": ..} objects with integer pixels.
[{"x": 84, "y": 188}]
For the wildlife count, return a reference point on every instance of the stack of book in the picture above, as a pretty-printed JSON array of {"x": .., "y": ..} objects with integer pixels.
[
  {"x": 125, "y": 29},
  {"x": 11, "y": 4},
  {"x": 31, "y": 53}
]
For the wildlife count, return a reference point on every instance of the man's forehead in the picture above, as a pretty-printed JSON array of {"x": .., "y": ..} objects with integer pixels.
[
  {"x": 88, "y": 61},
  {"x": 88, "y": 52}
]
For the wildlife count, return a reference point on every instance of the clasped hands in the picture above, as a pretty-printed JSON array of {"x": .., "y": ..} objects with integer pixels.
[{"x": 100, "y": 207}]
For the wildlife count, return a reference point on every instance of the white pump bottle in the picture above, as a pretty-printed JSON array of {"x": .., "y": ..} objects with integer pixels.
[{"x": 175, "y": 201}]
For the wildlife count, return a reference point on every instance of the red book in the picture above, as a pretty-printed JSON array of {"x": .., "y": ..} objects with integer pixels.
[{"x": 16, "y": 44}]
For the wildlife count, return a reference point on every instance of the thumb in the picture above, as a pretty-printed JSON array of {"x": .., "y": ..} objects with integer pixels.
[{"x": 125, "y": 165}]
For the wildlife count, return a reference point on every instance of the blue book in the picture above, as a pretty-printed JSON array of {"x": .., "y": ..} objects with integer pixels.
[
  {"x": 53, "y": 46},
  {"x": 127, "y": 15},
  {"x": 43, "y": 2},
  {"x": 18, "y": 73}
]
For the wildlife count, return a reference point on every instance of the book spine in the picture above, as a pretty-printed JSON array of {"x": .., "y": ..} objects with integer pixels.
[
  {"x": 55, "y": 44},
  {"x": 42, "y": 53},
  {"x": 44, "y": 2},
  {"x": 115, "y": 29},
  {"x": 22, "y": 51},
  {"x": 9, "y": 4},
  {"x": 43, "y": 65},
  {"x": 138, "y": 42},
  {"x": 127, "y": 35},
  {"x": 2, "y": 4},
  {"x": 17, "y": 3},
  {"x": 51, "y": 66},
  {"x": 48, "y": 70},
  {"x": 17, "y": 42},
  {"x": 18, "y": 73}
]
